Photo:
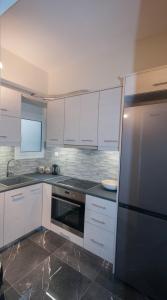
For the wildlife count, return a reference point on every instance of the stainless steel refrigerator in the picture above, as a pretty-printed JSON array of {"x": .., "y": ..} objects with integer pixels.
[{"x": 141, "y": 249}]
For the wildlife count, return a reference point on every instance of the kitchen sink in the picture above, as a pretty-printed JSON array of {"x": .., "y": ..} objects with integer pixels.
[{"x": 11, "y": 181}]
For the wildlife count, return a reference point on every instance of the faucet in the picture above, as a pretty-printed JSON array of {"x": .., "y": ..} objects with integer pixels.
[{"x": 9, "y": 173}]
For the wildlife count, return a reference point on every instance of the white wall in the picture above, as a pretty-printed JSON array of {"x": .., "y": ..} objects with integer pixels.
[
  {"x": 21, "y": 72},
  {"x": 102, "y": 69}
]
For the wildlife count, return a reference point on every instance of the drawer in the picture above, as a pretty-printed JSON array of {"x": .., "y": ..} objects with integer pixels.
[
  {"x": 99, "y": 241},
  {"x": 101, "y": 206},
  {"x": 102, "y": 221}
]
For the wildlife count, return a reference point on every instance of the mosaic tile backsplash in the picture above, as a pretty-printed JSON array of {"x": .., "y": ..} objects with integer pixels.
[{"x": 85, "y": 164}]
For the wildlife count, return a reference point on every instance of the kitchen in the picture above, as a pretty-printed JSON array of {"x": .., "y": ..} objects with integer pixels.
[{"x": 74, "y": 191}]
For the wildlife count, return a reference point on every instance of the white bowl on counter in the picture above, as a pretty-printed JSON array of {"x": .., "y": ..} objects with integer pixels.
[{"x": 110, "y": 184}]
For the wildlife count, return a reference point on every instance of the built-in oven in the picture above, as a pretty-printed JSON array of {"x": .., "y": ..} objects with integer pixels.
[{"x": 68, "y": 209}]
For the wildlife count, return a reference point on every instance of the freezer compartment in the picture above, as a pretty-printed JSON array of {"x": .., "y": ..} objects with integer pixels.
[{"x": 141, "y": 252}]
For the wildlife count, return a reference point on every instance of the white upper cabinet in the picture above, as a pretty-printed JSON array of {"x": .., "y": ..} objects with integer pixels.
[
  {"x": 55, "y": 122},
  {"x": 147, "y": 81},
  {"x": 10, "y": 102},
  {"x": 109, "y": 119},
  {"x": 89, "y": 119},
  {"x": 10, "y": 131},
  {"x": 72, "y": 120}
]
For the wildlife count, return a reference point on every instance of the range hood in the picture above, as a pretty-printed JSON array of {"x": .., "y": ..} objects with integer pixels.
[{"x": 5, "y": 5}]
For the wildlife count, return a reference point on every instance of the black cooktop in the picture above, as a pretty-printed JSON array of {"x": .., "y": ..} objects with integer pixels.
[{"x": 79, "y": 183}]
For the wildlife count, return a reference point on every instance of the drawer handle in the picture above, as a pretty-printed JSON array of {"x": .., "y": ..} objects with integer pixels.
[
  {"x": 97, "y": 221},
  {"x": 97, "y": 243},
  {"x": 160, "y": 83},
  {"x": 98, "y": 206},
  {"x": 16, "y": 195},
  {"x": 3, "y": 136},
  {"x": 35, "y": 190}
]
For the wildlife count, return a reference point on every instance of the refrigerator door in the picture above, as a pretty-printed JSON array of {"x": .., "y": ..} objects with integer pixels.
[
  {"x": 143, "y": 177},
  {"x": 141, "y": 259}
]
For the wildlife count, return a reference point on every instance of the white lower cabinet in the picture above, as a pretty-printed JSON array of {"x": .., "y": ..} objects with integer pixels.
[
  {"x": 100, "y": 226},
  {"x": 46, "y": 211},
  {"x": 1, "y": 219},
  {"x": 22, "y": 212},
  {"x": 14, "y": 217},
  {"x": 33, "y": 207}
]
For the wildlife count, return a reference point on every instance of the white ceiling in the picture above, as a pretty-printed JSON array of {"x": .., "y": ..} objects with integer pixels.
[{"x": 55, "y": 32}]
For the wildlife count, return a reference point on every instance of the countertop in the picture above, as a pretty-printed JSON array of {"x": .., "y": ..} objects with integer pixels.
[{"x": 97, "y": 191}]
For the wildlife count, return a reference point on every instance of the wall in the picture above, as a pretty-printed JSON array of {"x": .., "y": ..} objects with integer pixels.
[
  {"x": 84, "y": 164},
  {"x": 101, "y": 70},
  {"x": 21, "y": 72}
]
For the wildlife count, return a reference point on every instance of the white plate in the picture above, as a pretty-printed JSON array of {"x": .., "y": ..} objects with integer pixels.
[{"x": 110, "y": 184}]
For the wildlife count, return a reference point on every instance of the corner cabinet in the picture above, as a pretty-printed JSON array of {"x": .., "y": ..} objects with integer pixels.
[
  {"x": 1, "y": 219},
  {"x": 109, "y": 119},
  {"x": 55, "y": 122}
]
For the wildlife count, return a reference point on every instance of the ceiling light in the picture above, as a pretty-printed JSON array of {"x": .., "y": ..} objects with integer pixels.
[{"x": 1, "y": 65}]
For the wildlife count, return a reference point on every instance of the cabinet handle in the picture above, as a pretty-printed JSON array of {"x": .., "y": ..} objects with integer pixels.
[
  {"x": 16, "y": 195},
  {"x": 87, "y": 140},
  {"x": 54, "y": 140},
  {"x": 160, "y": 83},
  {"x": 18, "y": 198},
  {"x": 69, "y": 140},
  {"x": 110, "y": 141},
  {"x": 35, "y": 190},
  {"x": 3, "y": 136},
  {"x": 98, "y": 206},
  {"x": 97, "y": 243},
  {"x": 97, "y": 221},
  {"x": 4, "y": 109}
]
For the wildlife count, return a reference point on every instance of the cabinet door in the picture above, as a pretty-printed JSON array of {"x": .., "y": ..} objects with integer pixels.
[
  {"x": 72, "y": 116},
  {"x": 46, "y": 212},
  {"x": 14, "y": 217},
  {"x": 33, "y": 207},
  {"x": 10, "y": 131},
  {"x": 89, "y": 119},
  {"x": 1, "y": 219},
  {"x": 147, "y": 81},
  {"x": 55, "y": 122},
  {"x": 109, "y": 118},
  {"x": 10, "y": 102}
]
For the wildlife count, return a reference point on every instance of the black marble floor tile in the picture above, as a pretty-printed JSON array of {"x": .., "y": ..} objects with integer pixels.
[
  {"x": 53, "y": 278},
  {"x": 106, "y": 279},
  {"x": 10, "y": 294},
  {"x": 48, "y": 240},
  {"x": 20, "y": 259},
  {"x": 97, "y": 292},
  {"x": 80, "y": 259}
]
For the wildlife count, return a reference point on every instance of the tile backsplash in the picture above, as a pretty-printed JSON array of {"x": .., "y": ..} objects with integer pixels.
[{"x": 84, "y": 164}]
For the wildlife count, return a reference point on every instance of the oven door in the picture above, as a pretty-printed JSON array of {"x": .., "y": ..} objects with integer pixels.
[{"x": 68, "y": 214}]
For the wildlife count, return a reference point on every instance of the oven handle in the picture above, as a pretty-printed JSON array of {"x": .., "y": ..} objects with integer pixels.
[{"x": 65, "y": 201}]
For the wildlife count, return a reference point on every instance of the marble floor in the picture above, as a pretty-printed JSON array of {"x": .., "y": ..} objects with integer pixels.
[{"x": 46, "y": 266}]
